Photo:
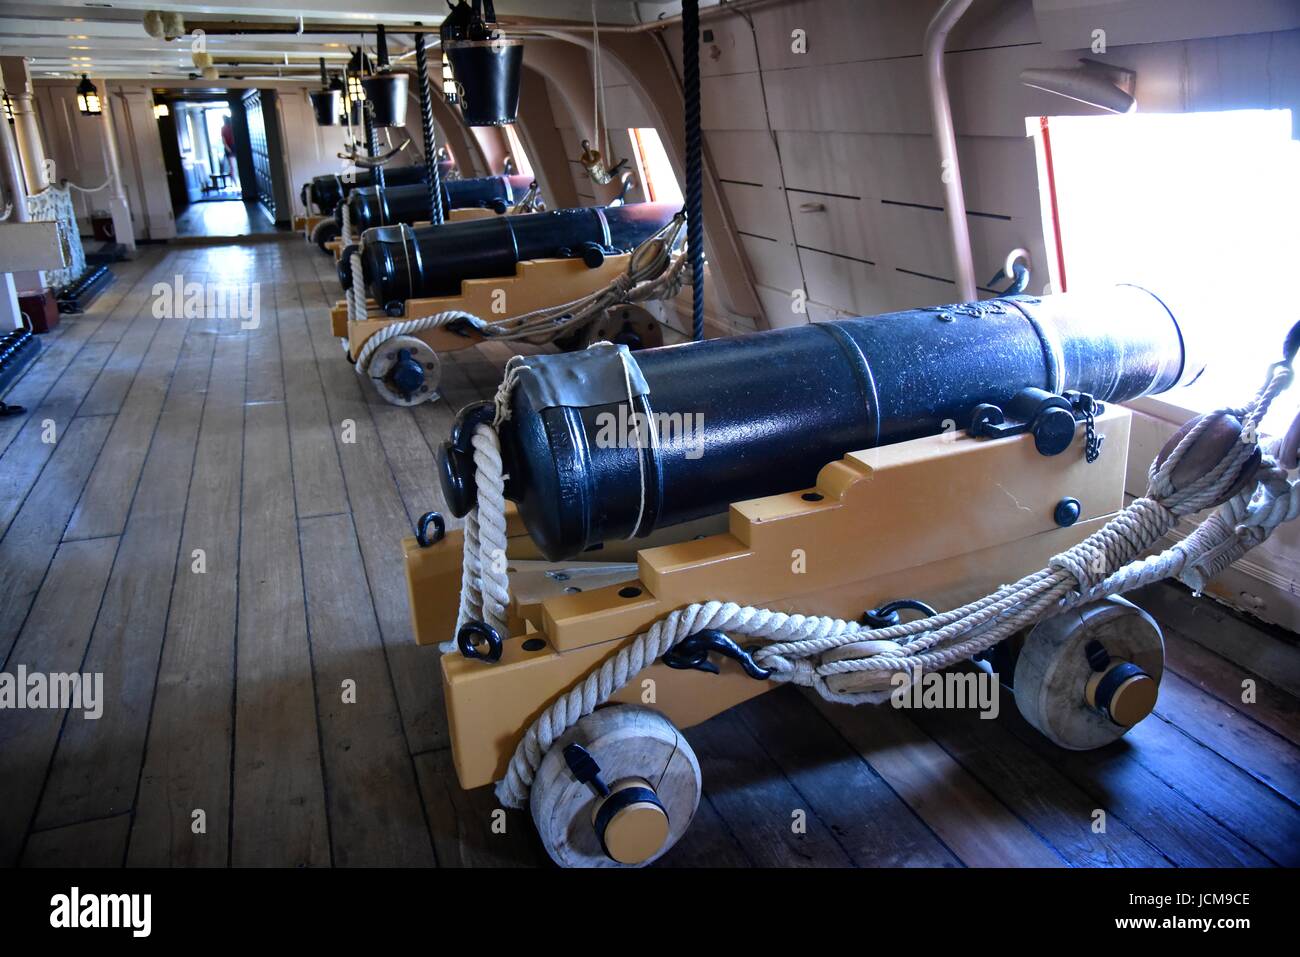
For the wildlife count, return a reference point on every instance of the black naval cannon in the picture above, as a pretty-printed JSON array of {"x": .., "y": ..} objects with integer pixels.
[
  {"x": 404, "y": 262},
  {"x": 763, "y": 413},
  {"x": 327, "y": 191},
  {"x": 371, "y": 206}
]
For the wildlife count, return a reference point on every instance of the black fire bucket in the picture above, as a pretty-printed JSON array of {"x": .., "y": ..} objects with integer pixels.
[
  {"x": 487, "y": 74},
  {"x": 327, "y": 105},
  {"x": 387, "y": 95}
]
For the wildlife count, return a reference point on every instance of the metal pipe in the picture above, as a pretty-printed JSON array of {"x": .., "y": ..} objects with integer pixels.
[
  {"x": 945, "y": 137},
  {"x": 708, "y": 13},
  {"x": 514, "y": 25}
]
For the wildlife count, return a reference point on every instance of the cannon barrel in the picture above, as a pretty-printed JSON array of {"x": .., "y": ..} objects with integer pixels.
[
  {"x": 329, "y": 190},
  {"x": 759, "y": 414},
  {"x": 403, "y": 262},
  {"x": 371, "y": 206}
]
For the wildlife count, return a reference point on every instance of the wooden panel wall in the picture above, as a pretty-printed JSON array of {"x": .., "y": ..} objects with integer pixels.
[{"x": 827, "y": 161}]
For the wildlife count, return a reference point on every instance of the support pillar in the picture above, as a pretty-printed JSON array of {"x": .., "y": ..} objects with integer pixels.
[
  {"x": 118, "y": 207},
  {"x": 18, "y": 84},
  {"x": 15, "y": 190}
]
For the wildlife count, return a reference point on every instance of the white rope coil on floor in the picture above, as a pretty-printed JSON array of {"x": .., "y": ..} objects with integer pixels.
[{"x": 1105, "y": 563}]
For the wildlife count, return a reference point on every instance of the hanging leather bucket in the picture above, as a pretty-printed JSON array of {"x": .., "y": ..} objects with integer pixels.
[
  {"x": 387, "y": 95},
  {"x": 327, "y": 105},
  {"x": 487, "y": 75}
]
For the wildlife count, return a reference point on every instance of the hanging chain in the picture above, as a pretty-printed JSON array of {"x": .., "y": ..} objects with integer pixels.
[{"x": 1088, "y": 407}]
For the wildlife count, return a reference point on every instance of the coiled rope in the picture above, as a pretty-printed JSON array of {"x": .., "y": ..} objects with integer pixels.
[{"x": 1105, "y": 563}]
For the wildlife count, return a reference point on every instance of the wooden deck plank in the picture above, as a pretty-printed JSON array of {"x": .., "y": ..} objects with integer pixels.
[
  {"x": 1265, "y": 756},
  {"x": 159, "y": 266},
  {"x": 771, "y": 820},
  {"x": 867, "y": 817},
  {"x": 106, "y": 499},
  {"x": 1251, "y": 810},
  {"x": 1051, "y": 806},
  {"x": 1118, "y": 783},
  {"x": 53, "y": 640},
  {"x": 990, "y": 810},
  {"x": 23, "y": 460},
  {"x": 317, "y": 475},
  {"x": 187, "y": 758},
  {"x": 708, "y": 842},
  {"x": 1273, "y": 707},
  {"x": 131, "y": 337},
  {"x": 375, "y": 812},
  {"x": 409, "y": 456},
  {"x": 278, "y": 810},
  {"x": 96, "y": 768},
  {"x": 30, "y": 388},
  {"x": 469, "y": 828},
  {"x": 97, "y": 843},
  {"x": 34, "y": 535},
  {"x": 381, "y": 521}
]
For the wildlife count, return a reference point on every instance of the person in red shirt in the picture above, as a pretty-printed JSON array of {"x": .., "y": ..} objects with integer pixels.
[{"x": 228, "y": 139}]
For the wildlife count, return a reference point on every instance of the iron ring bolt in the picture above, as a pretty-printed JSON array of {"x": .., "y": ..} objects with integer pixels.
[
  {"x": 472, "y": 635},
  {"x": 886, "y": 616},
  {"x": 422, "y": 529}
]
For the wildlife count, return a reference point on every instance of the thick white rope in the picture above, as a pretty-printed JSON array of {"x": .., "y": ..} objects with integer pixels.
[
  {"x": 1103, "y": 564},
  {"x": 69, "y": 184},
  {"x": 349, "y": 294},
  {"x": 357, "y": 296},
  {"x": 485, "y": 581},
  {"x": 402, "y": 328}
]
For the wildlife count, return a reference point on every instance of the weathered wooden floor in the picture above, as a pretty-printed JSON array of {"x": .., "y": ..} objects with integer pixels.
[{"x": 259, "y": 454}]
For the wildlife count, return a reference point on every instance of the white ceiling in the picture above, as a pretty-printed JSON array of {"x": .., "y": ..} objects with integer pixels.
[{"x": 107, "y": 39}]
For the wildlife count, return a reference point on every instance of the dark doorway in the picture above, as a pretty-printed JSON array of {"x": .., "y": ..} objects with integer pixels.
[{"x": 209, "y": 153}]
